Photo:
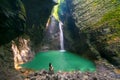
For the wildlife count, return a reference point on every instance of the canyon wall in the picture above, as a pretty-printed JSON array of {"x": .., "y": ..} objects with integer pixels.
[
  {"x": 20, "y": 33},
  {"x": 99, "y": 24}
]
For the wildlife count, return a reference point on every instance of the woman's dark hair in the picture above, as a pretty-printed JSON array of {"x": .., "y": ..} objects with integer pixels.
[{"x": 50, "y": 64}]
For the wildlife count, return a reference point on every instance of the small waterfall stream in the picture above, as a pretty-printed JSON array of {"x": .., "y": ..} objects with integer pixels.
[
  {"x": 61, "y": 37},
  {"x": 54, "y": 27}
]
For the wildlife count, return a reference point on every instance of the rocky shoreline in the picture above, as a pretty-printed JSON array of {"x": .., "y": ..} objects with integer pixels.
[{"x": 104, "y": 71}]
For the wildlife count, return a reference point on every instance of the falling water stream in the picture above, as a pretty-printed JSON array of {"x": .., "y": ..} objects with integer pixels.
[
  {"x": 61, "y": 37},
  {"x": 55, "y": 21}
]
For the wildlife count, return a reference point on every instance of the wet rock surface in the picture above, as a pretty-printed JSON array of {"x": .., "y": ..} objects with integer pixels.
[
  {"x": 94, "y": 20},
  {"x": 104, "y": 71}
]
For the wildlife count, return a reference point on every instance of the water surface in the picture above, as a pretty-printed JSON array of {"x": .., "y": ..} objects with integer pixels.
[{"x": 61, "y": 61}]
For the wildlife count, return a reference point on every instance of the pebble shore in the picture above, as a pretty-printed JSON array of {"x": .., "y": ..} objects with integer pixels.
[{"x": 104, "y": 71}]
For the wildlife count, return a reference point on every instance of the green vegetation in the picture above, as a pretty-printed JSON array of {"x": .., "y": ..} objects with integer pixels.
[
  {"x": 22, "y": 12},
  {"x": 111, "y": 20},
  {"x": 56, "y": 9},
  {"x": 111, "y": 16}
]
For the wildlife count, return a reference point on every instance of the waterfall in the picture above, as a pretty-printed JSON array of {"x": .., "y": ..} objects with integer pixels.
[
  {"x": 56, "y": 20},
  {"x": 61, "y": 37}
]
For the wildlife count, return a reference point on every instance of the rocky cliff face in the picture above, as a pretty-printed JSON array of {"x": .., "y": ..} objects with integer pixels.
[
  {"x": 16, "y": 36},
  {"x": 26, "y": 45},
  {"x": 98, "y": 23},
  {"x": 22, "y": 51},
  {"x": 12, "y": 20},
  {"x": 37, "y": 15},
  {"x": 12, "y": 23}
]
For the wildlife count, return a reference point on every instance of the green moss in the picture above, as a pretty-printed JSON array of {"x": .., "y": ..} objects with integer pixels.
[
  {"x": 95, "y": 3},
  {"x": 111, "y": 19},
  {"x": 22, "y": 12},
  {"x": 22, "y": 7},
  {"x": 114, "y": 1},
  {"x": 113, "y": 15}
]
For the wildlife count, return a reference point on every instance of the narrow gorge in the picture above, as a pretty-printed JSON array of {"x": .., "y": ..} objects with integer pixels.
[{"x": 91, "y": 29}]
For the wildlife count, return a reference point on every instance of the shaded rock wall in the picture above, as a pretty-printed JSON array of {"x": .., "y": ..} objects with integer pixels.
[
  {"x": 26, "y": 45},
  {"x": 37, "y": 15},
  {"x": 99, "y": 21},
  {"x": 12, "y": 24},
  {"x": 14, "y": 20}
]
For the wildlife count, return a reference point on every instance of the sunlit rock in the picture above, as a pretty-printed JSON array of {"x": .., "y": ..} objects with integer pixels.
[{"x": 22, "y": 51}]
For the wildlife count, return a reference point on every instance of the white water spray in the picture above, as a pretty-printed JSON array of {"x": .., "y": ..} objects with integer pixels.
[{"x": 61, "y": 37}]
